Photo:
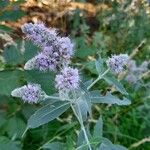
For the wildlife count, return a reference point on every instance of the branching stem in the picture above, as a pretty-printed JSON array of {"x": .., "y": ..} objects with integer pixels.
[{"x": 99, "y": 77}]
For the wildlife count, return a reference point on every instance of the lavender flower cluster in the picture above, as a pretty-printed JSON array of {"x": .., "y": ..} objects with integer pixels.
[
  {"x": 55, "y": 55},
  {"x": 67, "y": 79},
  {"x": 56, "y": 51},
  {"x": 134, "y": 71},
  {"x": 30, "y": 93},
  {"x": 116, "y": 63}
]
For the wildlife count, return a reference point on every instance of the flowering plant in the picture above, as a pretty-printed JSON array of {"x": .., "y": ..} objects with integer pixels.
[{"x": 55, "y": 55}]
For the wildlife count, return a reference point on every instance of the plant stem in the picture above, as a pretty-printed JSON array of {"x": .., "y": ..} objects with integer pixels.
[
  {"x": 86, "y": 137},
  {"x": 99, "y": 77},
  {"x": 81, "y": 123},
  {"x": 24, "y": 132},
  {"x": 55, "y": 98},
  {"x": 52, "y": 97}
]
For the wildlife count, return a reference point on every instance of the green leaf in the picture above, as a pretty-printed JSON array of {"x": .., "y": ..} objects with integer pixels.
[
  {"x": 66, "y": 127},
  {"x": 2, "y": 119},
  {"x": 84, "y": 108},
  {"x": 45, "y": 79},
  {"x": 54, "y": 146},
  {"x": 47, "y": 113},
  {"x": 84, "y": 146},
  {"x": 30, "y": 50},
  {"x": 9, "y": 80},
  {"x": 98, "y": 129},
  {"x": 6, "y": 144},
  {"x": 81, "y": 138},
  {"x": 15, "y": 127},
  {"x": 12, "y": 55},
  {"x": 69, "y": 142},
  {"x": 108, "y": 145},
  {"x": 100, "y": 66},
  {"x": 86, "y": 84},
  {"x": 96, "y": 97},
  {"x": 83, "y": 103},
  {"x": 10, "y": 15},
  {"x": 83, "y": 49},
  {"x": 112, "y": 81},
  {"x": 91, "y": 67}
]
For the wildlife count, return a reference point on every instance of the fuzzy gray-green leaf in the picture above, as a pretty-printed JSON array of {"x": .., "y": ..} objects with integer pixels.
[{"x": 47, "y": 113}]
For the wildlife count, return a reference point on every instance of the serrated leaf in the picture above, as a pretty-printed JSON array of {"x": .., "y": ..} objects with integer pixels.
[
  {"x": 96, "y": 97},
  {"x": 112, "y": 81},
  {"x": 47, "y": 113},
  {"x": 98, "y": 129}
]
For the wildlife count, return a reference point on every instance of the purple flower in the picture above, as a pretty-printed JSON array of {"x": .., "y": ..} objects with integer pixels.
[
  {"x": 144, "y": 67},
  {"x": 65, "y": 47},
  {"x": 68, "y": 79},
  {"x": 117, "y": 62},
  {"x": 40, "y": 62},
  {"x": 137, "y": 69},
  {"x": 30, "y": 93},
  {"x": 132, "y": 65},
  {"x": 39, "y": 34},
  {"x": 58, "y": 50},
  {"x": 131, "y": 78},
  {"x": 61, "y": 50}
]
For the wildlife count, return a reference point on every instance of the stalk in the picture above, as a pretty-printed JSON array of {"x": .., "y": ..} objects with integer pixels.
[
  {"x": 81, "y": 123},
  {"x": 99, "y": 77}
]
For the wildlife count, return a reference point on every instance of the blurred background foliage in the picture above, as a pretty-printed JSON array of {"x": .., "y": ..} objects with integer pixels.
[{"x": 101, "y": 27}]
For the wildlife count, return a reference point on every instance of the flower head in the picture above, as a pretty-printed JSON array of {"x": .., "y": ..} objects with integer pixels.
[
  {"x": 68, "y": 79},
  {"x": 40, "y": 62},
  {"x": 39, "y": 34},
  {"x": 131, "y": 78},
  {"x": 132, "y": 65},
  {"x": 135, "y": 72},
  {"x": 30, "y": 93},
  {"x": 61, "y": 51},
  {"x": 56, "y": 51},
  {"x": 117, "y": 62},
  {"x": 65, "y": 46},
  {"x": 144, "y": 67}
]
